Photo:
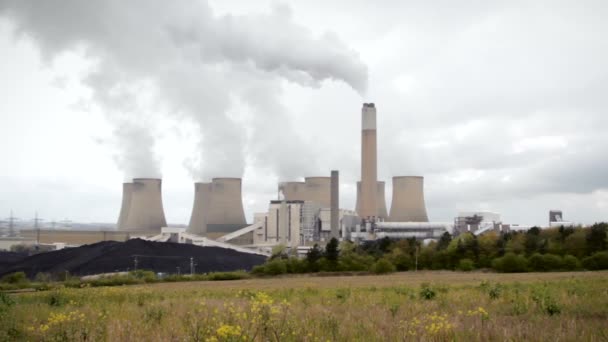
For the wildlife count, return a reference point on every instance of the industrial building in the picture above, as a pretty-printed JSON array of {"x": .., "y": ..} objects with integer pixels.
[{"x": 556, "y": 219}]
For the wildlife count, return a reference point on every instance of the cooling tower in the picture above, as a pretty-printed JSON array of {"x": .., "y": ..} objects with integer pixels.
[
  {"x": 368, "y": 206},
  {"x": 335, "y": 204},
  {"x": 146, "y": 209},
  {"x": 380, "y": 200},
  {"x": 408, "y": 200},
  {"x": 198, "y": 219},
  {"x": 226, "y": 203},
  {"x": 293, "y": 191},
  {"x": 127, "y": 190},
  {"x": 318, "y": 189}
]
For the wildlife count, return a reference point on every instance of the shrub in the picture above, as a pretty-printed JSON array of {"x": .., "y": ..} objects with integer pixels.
[
  {"x": 15, "y": 278},
  {"x": 552, "y": 308},
  {"x": 494, "y": 292},
  {"x": 466, "y": 265},
  {"x": 536, "y": 262},
  {"x": 510, "y": 263},
  {"x": 56, "y": 298},
  {"x": 383, "y": 266},
  {"x": 553, "y": 262},
  {"x": 43, "y": 277},
  {"x": 258, "y": 270},
  {"x": 426, "y": 292},
  {"x": 570, "y": 263},
  {"x": 598, "y": 261},
  {"x": 228, "y": 275},
  {"x": 275, "y": 267}
]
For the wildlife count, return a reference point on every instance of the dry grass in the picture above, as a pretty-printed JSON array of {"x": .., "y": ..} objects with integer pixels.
[
  {"x": 402, "y": 278},
  {"x": 451, "y": 306}
]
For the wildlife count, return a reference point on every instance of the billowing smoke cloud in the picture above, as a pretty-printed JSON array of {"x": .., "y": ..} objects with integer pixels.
[{"x": 201, "y": 68}]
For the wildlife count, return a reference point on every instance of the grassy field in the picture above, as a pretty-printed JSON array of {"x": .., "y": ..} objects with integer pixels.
[{"x": 432, "y": 306}]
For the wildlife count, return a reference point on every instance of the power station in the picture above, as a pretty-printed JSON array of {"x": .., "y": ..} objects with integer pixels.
[{"x": 304, "y": 212}]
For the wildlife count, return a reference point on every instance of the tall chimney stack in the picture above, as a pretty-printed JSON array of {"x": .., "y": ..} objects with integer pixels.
[
  {"x": 335, "y": 204},
  {"x": 369, "y": 170}
]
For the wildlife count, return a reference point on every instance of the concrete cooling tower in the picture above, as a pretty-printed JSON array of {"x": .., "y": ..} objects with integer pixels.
[
  {"x": 380, "y": 200},
  {"x": 293, "y": 191},
  {"x": 318, "y": 189},
  {"x": 226, "y": 204},
  {"x": 146, "y": 208},
  {"x": 127, "y": 190},
  {"x": 368, "y": 206},
  {"x": 198, "y": 219},
  {"x": 408, "y": 200}
]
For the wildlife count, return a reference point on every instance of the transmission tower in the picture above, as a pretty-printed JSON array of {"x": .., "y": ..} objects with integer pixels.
[{"x": 11, "y": 225}]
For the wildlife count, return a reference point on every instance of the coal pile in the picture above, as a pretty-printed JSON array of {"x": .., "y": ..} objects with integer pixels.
[
  {"x": 112, "y": 256},
  {"x": 9, "y": 258}
]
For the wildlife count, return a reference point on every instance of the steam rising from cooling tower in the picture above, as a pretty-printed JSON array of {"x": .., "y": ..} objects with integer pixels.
[
  {"x": 195, "y": 63},
  {"x": 146, "y": 211},
  {"x": 408, "y": 200}
]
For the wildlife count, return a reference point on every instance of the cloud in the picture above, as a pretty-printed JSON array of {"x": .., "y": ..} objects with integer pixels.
[{"x": 155, "y": 58}]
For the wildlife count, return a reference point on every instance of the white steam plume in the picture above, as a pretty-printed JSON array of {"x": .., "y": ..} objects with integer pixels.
[{"x": 199, "y": 65}]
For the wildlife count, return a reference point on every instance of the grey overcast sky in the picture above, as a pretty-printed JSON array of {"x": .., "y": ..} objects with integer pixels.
[{"x": 500, "y": 105}]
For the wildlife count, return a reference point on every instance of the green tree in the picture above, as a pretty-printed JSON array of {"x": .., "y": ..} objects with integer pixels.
[
  {"x": 488, "y": 248},
  {"x": 510, "y": 263},
  {"x": 516, "y": 244},
  {"x": 312, "y": 257},
  {"x": 571, "y": 263},
  {"x": 444, "y": 241},
  {"x": 383, "y": 266},
  {"x": 576, "y": 243},
  {"x": 400, "y": 259},
  {"x": 596, "y": 239},
  {"x": 466, "y": 265},
  {"x": 598, "y": 261},
  {"x": 331, "y": 251}
]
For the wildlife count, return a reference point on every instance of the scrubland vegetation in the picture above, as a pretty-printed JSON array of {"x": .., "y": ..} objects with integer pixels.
[
  {"x": 536, "y": 250},
  {"x": 431, "y": 306}
]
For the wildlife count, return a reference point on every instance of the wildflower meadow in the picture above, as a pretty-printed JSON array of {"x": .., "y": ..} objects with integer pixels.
[{"x": 421, "y": 306}]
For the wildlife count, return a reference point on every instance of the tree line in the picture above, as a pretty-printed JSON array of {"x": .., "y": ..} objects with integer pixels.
[{"x": 553, "y": 249}]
